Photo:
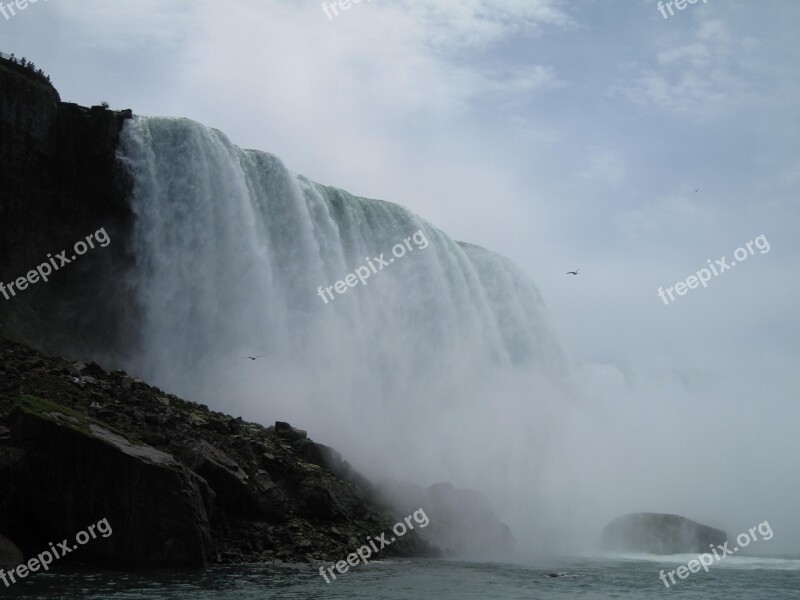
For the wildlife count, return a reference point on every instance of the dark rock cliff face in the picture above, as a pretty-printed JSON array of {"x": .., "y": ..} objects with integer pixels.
[
  {"x": 59, "y": 182},
  {"x": 655, "y": 533}
]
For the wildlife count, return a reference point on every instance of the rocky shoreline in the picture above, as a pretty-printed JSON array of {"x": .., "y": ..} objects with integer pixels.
[{"x": 180, "y": 484}]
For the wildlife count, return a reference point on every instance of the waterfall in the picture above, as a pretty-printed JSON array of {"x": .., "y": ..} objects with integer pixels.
[
  {"x": 445, "y": 344},
  {"x": 232, "y": 249}
]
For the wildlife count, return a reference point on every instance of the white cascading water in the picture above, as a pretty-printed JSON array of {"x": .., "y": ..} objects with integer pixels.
[
  {"x": 443, "y": 367},
  {"x": 231, "y": 251},
  {"x": 438, "y": 349}
]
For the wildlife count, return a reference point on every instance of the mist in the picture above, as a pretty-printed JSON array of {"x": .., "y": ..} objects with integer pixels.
[{"x": 442, "y": 365}]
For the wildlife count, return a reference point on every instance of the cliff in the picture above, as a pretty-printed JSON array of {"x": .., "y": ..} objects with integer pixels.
[{"x": 60, "y": 181}]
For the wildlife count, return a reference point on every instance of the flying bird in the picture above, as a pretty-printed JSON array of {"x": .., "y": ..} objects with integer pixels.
[
  {"x": 254, "y": 357},
  {"x": 697, "y": 190},
  {"x": 572, "y": 272}
]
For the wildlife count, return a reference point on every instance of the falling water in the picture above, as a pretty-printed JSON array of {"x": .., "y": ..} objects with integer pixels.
[
  {"x": 232, "y": 250},
  {"x": 441, "y": 366}
]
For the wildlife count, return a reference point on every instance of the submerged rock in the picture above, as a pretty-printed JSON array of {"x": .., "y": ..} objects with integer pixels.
[
  {"x": 656, "y": 533},
  {"x": 10, "y": 555}
]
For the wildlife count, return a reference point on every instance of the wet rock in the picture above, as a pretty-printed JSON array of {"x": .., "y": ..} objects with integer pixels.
[
  {"x": 10, "y": 555},
  {"x": 287, "y": 432},
  {"x": 76, "y": 471},
  {"x": 656, "y": 533},
  {"x": 277, "y": 494},
  {"x": 270, "y": 500},
  {"x": 222, "y": 473}
]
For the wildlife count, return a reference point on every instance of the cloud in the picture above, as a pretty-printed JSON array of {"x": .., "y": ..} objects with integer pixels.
[
  {"x": 456, "y": 25},
  {"x": 128, "y": 26},
  {"x": 707, "y": 77}
]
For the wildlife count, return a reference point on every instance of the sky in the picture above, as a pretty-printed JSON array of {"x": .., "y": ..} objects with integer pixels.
[{"x": 590, "y": 134}]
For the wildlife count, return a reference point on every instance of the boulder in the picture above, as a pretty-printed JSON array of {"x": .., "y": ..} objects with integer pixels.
[
  {"x": 223, "y": 474},
  {"x": 63, "y": 471},
  {"x": 270, "y": 500},
  {"x": 656, "y": 533},
  {"x": 287, "y": 432},
  {"x": 10, "y": 555},
  {"x": 329, "y": 500}
]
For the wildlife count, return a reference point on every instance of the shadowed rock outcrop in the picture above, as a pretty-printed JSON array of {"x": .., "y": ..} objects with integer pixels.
[
  {"x": 71, "y": 471},
  {"x": 462, "y": 521},
  {"x": 656, "y": 533},
  {"x": 179, "y": 484}
]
